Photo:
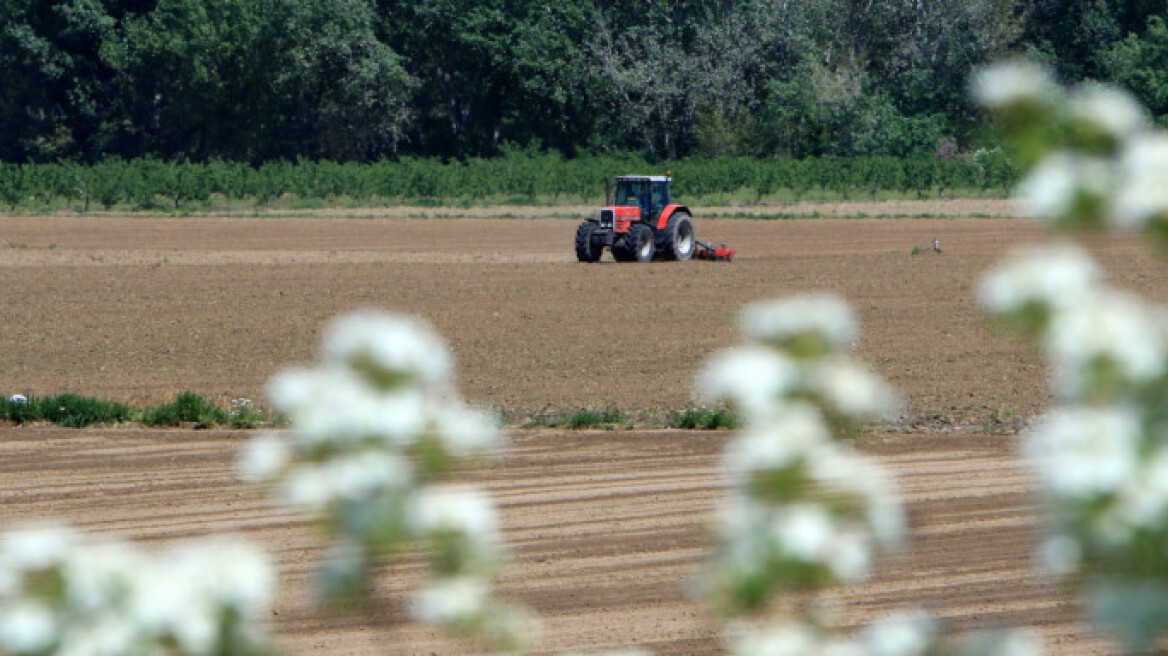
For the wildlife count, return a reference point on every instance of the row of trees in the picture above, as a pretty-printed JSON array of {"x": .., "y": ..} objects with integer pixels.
[
  {"x": 256, "y": 80},
  {"x": 527, "y": 177}
]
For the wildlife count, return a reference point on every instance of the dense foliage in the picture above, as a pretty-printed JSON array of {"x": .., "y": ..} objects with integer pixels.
[
  {"x": 360, "y": 80},
  {"x": 516, "y": 178}
]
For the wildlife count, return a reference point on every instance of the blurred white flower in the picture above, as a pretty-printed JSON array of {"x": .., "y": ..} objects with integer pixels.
[
  {"x": 109, "y": 634},
  {"x": 850, "y": 556},
  {"x": 264, "y": 458},
  {"x": 1143, "y": 193},
  {"x": 1107, "y": 109},
  {"x": 459, "y": 509},
  {"x": 790, "y": 436},
  {"x": 36, "y": 548},
  {"x": 28, "y": 627},
  {"x": 99, "y": 576},
  {"x": 806, "y": 531},
  {"x": 1082, "y": 452},
  {"x": 755, "y": 378},
  {"x": 1112, "y": 326},
  {"x": 455, "y": 600},
  {"x": 1054, "y": 276},
  {"x": 792, "y": 639},
  {"x": 850, "y": 390},
  {"x": 902, "y": 634},
  {"x": 1053, "y": 188},
  {"x": 1010, "y": 83},
  {"x": 778, "y": 321},
  {"x": 390, "y": 349},
  {"x": 332, "y": 405},
  {"x": 1061, "y": 554},
  {"x": 230, "y": 572},
  {"x": 464, "y": 431},
  {"x": 1142, "y": 501}
]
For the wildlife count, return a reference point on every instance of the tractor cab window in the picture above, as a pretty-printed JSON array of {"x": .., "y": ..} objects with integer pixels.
[
  {"x": 630, "y": 193},
  {"x": 661, "y": 195}
]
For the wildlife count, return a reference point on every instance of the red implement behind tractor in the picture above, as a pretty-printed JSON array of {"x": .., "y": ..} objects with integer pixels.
[{"x": 643, "y": 223}]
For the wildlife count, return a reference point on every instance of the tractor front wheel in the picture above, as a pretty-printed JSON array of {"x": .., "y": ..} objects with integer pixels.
[
  {"x": 677, "y": 238},
  {"x": 636, "y": 246},
  {"x": 586, "y": 251}
]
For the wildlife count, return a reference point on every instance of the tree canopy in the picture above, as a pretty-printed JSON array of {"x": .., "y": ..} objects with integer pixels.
[{"x": 360, "y": 80}]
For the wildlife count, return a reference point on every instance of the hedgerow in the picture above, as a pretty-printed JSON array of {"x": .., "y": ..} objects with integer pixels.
[{"x": 149, "y": 184}]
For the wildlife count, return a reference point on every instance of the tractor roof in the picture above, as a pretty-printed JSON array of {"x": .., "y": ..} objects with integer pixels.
[{"x": 644, "y": 178}]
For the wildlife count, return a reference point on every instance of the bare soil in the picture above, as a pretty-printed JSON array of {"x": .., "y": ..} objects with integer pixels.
[{"x": 607, "y": 526}]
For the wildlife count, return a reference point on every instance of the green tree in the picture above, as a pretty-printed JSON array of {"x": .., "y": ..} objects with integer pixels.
[{"x": 1140, "y": 63}]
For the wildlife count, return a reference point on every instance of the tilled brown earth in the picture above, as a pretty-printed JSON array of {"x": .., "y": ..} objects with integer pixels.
[
  {"x": 139, "y": 309},
  {"x": 607, "y": 527}
]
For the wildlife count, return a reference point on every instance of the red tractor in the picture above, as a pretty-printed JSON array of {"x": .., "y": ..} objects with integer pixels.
[{"x": 642, "y": 224}]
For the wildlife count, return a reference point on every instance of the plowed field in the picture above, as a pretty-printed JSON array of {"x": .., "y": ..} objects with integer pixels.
[{"x": 607, "y": 526}]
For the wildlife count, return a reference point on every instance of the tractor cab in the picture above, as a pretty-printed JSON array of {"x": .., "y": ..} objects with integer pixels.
[{"x": 650, "y": 193}]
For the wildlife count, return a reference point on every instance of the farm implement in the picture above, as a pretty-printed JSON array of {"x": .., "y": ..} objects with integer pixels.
[
  {"x": 642, "y": 223},
  {"x": 717, "y": 253}
]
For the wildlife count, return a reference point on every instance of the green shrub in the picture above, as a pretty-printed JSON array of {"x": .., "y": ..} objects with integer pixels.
[
  {"x": 591, "y": 418},
  {"x": 702, "y": 418},
  {"x": 68, "y": 410},
  {"x": 187, "y": 408}
]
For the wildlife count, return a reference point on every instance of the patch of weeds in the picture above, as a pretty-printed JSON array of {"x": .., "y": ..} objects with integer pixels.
[
  {"x": 592, "y": 418},
  {"x": 187, "y": 408},
  {"x": 702, "y": 418},
  {"x": 916, "y": 250},
  {"x": 67, "y": 410},
  {"x": 243, "y": 414}
]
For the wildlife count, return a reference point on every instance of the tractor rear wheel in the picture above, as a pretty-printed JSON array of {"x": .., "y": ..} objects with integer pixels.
[
  {"x": 586, "y": 251},
  {"x": 636, "y": 246},
  {"x": 676, "y": 240}
]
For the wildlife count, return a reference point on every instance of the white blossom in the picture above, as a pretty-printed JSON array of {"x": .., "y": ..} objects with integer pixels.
[
  {"x": 464, "y": 431},
  {"x": 1082, "y": 452},
  {"x": 1112, "y": 326},
  {"x": 851, "y": 390},
  {"x": 28, "y": 627},
  {"x": 1142, "y": 194},
  {"x": 452, "y": 600},
  {"x": 36, "y": 548},
  {"x": 1061, "y": 554},
  {"x": 385, "y": 345},
  {"x": 457, "y": 509},
  {"x": 264, "y": 458},
  {"x": 1052, "y": 189},
  {"x": 1011, "y": 83},
  {"x": 99, "y": 576},
  {"x": 332, "y": 405},
  {"x": 806, "y": 531},
  {"x": 1109, "y": 110},
  {"x": 108, "y": 634},
  {"x": 1055, "y": 276},
  {"x": 902, "y": 634},
  {"x": 792, "y": 639},
  {"x": 790, "y": 436},
  {"x": 755, "y": 378},
  {"x": 823, "y": 315}
]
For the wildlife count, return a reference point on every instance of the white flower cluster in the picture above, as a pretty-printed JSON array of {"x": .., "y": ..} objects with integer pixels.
[
  {"x": 1094, "y": 153},
  {"x": 1101, "y": 455},
  {"x": 376, "y": 431},
  {"x": 63, "y": 595},
  {"x": 901, "y": 634},
  {"x": 804, "y": 511}
]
